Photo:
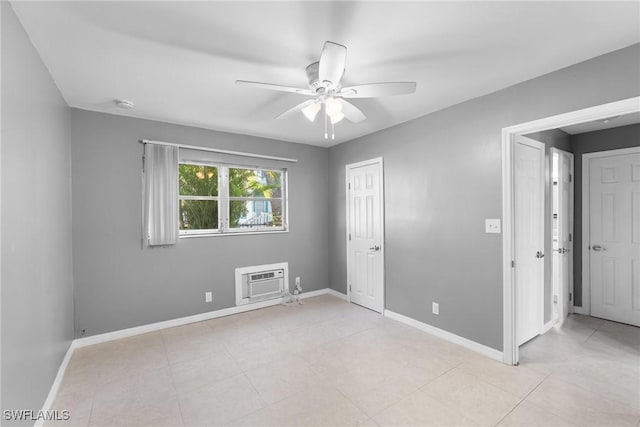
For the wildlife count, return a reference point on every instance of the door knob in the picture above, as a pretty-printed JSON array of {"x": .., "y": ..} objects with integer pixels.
[
  {"x": 598, "y": 248},
  {"x": 539, "y": 254},
  {"x": 375, "y": 248}
]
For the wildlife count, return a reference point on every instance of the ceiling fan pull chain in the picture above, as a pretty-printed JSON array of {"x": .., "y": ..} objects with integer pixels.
[{"x": 326, "y": 134}]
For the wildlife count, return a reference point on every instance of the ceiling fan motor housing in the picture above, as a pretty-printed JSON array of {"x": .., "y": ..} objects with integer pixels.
[{"x": 313, "y": 76}]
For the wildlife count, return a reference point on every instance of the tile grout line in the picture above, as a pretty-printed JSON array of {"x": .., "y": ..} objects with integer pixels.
[
  {"x": 523, "y": 399},
  {"x": 177, "y": 396},
  {"x": 591, "y": 334}
]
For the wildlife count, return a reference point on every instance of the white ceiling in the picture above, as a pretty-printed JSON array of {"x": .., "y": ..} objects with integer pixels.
[
  {"x": 178, "y": 61},
  {"x": 611, "y": 122}
]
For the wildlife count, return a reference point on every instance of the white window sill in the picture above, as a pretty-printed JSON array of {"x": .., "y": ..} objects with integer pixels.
[{"x": 231, "y": 233}]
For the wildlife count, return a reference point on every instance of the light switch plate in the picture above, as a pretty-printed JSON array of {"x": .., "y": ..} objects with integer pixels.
[{"x": 492, "y": 226}]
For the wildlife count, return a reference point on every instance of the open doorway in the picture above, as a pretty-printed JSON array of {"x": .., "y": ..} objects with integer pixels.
[{"x": 511, "y": 340}]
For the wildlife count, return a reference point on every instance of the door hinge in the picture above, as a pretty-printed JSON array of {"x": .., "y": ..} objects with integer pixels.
[
  {"x": 570, "y": 296},
  {"x": 349, "y": 288},
  {"x": 570, "y": 237},
  {"x": 349, "y": 236},
  {"x": 349, "y": 186},
  {"x": 570, "y": 177},
  {"x": 513, "y": 264}
]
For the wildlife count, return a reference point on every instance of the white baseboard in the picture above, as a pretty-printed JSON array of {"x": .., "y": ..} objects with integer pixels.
[
  {"x": 53, "y": 391},
  {"x": 337, "y": 294},
  {"x": 578, "y": 310},
  {"x": 316, "y": 293},
  {"x": 456, "y": 339}
]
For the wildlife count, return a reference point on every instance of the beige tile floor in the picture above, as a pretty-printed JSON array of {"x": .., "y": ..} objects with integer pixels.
[{"x": 330, "y": 363}]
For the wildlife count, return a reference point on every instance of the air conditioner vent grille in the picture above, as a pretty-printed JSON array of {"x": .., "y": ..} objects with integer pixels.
[{"x": 263, "y": 276}]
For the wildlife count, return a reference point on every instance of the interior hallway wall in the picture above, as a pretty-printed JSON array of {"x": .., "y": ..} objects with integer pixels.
[
  {"x": 607, "y": 139},
  {"x": 37, "y": 282},
  {"x": 443, "y": 178}
]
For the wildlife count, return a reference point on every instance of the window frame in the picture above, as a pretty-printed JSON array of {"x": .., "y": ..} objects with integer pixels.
[
  {"x": 204, "y": 231},
  {"x": 224, "y": 205},
  {"x": 229, "y": 199}
]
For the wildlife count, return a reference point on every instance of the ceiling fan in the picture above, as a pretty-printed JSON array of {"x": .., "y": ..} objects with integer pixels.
[{"x": 326, "y": 89}]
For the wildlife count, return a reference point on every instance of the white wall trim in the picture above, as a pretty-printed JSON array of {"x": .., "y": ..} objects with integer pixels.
[
  {"x": 510, "y": 348},
  {"x": 337, "y": 294},
  {"x": 586, "y": 230},
  {"x": 448, "y": 336},
  {"x": 53, "y": 391},
  {"x": 625, "y": 106}
]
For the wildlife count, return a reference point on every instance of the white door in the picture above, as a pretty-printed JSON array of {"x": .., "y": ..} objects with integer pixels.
[
  {"x": 365, "y": 234},
  {"x": 529, "y": 237},
  {"x": 565, "y": 232},
  {"x": 614, "y": 231}
]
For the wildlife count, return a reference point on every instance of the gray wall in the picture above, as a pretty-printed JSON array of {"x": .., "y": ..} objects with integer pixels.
[
  {"x": 554, "y": 138},
  {"x": 37, "y": 285},
  {"x": 608, "y": 139},
  {"x": 443, "y": 178},
  {"x": 120, "y": 285}
]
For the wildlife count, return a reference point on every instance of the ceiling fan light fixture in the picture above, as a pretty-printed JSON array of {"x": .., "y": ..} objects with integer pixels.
[
  {"x": 311, "y": 111},
  {"x": 325, "y": 86},
  {"x": 332, "y": 106},
  {"x": 337, "y": 117}
]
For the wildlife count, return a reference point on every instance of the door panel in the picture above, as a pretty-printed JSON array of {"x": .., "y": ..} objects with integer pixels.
[
  {"x": 365, "y": 203},
  {"x": 565, "y": 230},
  {"x": 529, "y": 236},
  {"x": 614, "y": 222}
]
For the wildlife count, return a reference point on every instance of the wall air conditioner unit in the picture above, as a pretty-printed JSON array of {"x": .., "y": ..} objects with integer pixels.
[{"x": 261, "y": 282}]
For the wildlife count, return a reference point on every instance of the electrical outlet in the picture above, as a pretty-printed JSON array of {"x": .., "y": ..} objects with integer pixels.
[
  {"x": 435, "y": 308},
  {"x": 208, "y": 297},
  {"x": 492, "y": 226}
]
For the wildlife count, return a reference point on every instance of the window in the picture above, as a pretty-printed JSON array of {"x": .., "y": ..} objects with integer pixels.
[
  {"x": 198, "y": 198},
  {"x": 216, "y": 199},
  {"x": 255, "y": 198}
]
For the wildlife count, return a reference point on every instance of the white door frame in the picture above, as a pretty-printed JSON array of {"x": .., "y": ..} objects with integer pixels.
[
  {"x": 378, "y": 161},
  {"x": 552, "y": 151},
  {"x": 626, "y": 106},
  {"x": 586, "y": 229}
]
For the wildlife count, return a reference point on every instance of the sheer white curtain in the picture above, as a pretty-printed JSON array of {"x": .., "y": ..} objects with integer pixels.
[{"x": 160, "y": 194}]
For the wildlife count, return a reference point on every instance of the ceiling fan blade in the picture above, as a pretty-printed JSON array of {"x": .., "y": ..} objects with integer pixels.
[
  {"x": 296, "y": 109},
  {"x": 278, "y": 88},
  {"x": 375, "y": 90},
  {"x": 332, "y": 62},
  {"x": 351, "y": 112}
]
